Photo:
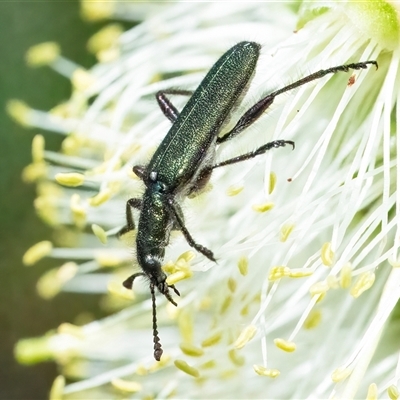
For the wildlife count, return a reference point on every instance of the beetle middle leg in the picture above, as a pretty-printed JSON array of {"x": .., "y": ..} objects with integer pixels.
[
  {"x": 130, "y": 223},
  {"x": 168, "y": 109},
  {"x": 180, "y": 224}
]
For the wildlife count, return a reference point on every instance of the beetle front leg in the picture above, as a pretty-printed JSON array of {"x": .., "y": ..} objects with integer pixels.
[{"x": 130, "y": 223}]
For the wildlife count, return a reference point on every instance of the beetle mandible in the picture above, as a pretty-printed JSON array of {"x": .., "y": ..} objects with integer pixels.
[{"x": 183, "y": 162}]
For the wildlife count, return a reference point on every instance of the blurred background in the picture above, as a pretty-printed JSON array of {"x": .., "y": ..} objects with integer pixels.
[{"x": 22, "y": 312}]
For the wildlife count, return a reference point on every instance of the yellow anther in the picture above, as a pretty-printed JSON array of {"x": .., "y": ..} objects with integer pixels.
[
  {"x": 263, "y": 207},
  {"x": 57, "y": 388},
  {"x": 185, "y": 367},
  {"x": 141, "y": 370},
  {"x": 226, "y": 304},
  {"x": 243, "y": 265},
  {"x": 185, "y": 324},
  {"x": 96, "y": 11},
  {"x": 187, "y": 256},
  {"x": 165, "y": 359},
  {"x": 100, "y": 198},
  {"x": 82, "y": 79},
  {"x": 270, "y": 372},
  {"x": 237, "y": 359},
  {"x": 340, "y": 374},
  {"x": 278, "y": 272},
  {"x": 108, "y": 55},
  {"x": 212, "y": 340},
  {"x": 272, "y": 182},
  {"x": 319, "y": 288},
  {"x": 285, "y": 231},
  {"x": 285, "y": 345},
  {"x": 205, "y": 303},
  {"x": 78, "y": 211},
  {"x": 70, "y": 329},
  {"x": 208, "y": 364},
  {"x": 100, "y": 233},
  {"x": 244, "y": 311},
  {"x": 179, "y": 276},
  {"x": 232, "y": 285},
  {"x": 72, "y": 144},
  {"x": 300, "y": 273},
  {"x": 234, "y": 190},
  {"x": 191, "y": 350},
  {"x": 363, "y": 283},
  {"x": 104, "y": 38},
  {"x": 394, "y": 263},
  {"x": 37, "y": 252},
  {"x": 345, "y": 276},
  {"x": 393, "y": 392},
  {"x": 51, "y": 282},
  {"x": 19, "y": 112},
  {"x": 327, "y": 255},
  {"x": 245, "y": 336},
  {"x": 117, "y": 289},
  {"x": 313, "y": 319},
  {"x": 33, "y": 172},
  {"x": 332, "y": 282},
  {"x": 72, "y": 179},
  {"x": 108, "y": 259},
  {"x": 38, "y": 149},
  {"x": 126, "y": 386},
  {"x": 42, "y": 54},
  {"x": 372, "y": 393}
]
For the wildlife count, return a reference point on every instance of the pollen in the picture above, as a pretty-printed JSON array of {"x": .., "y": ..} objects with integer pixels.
[
  {"x": 116, "y": 289},
  {"x": 363, "y": 283},
  {"x": 285, "y": 231},
  {"x": 100, "y": 198},
  {"x": 70, "y": 329},
  {"x": 345, "y": 276},
  {"x": 179, "y": 276},
  {"x": 263, "y": 207},
  {"x": 71, "y": 179},
  {"x": 232, "y": 285},
  {"x": 104, "y": 38},
  {"x": 126, "y": 386},
  {"x": 19, "y": 111},
  {"x": 212, "y": 340},
  {"x": 272, "y": 182},
  {"x": 234, "y": 190},
  {"x": 82, "y": 79},
  {"x": 99, "y": 233},
  {"x": 313, "y": 319},
  {"x": 236, "y": 359},
  {"x": 372, "y": 393},
  {"x": 319, "y": 288},
  {"x": 301, "y": 273},
  {"x": 327, "y": 255},
  {"x": 285, "y": 345},
  {"x": 270, "y": 372},
  {"x": 245, "y": 336},
  {"x": 243, "y": 265},
  {"x": 42, "y": 54},
  {"x": 96, "y": 11},
  {"x": 278, "y": 272},
  {"x": 191, "y": 350},
  {"x": 186, "y": 368},
  {"x": 57, "y": 388},
  {"x": 393, "y": 392},
  {"x": 78, "y": 211},
  {"x": 38, "y": 149},
  {"x": 340, "y": 374},
  {"x": 37, "y": 252}
]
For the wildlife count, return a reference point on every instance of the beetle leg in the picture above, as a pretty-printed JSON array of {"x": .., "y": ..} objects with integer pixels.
[
  {"x": 179, "y": 223},
  {"x": 130, "y": 223},
  {"x": 168, "y": 109},
  {"x": 261, "y": 150}
]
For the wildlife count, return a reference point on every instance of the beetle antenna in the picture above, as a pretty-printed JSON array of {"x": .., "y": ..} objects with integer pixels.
[{"x": 157, "y": 345}]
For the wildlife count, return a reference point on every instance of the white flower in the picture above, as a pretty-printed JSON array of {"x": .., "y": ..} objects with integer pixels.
[{"x": 325, "y": 213}]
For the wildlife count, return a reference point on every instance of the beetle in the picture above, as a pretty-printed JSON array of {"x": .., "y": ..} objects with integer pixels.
[{"x": 183, "y": 163}]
